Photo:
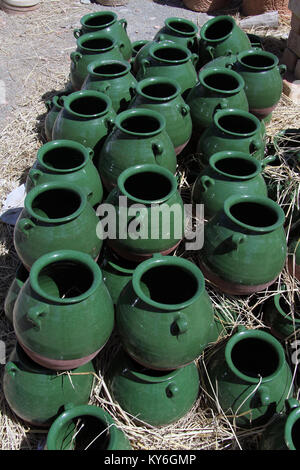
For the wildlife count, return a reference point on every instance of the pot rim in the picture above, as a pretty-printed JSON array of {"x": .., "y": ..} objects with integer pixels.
[
  {"x": 159, "y": 260},
  {"x": 241, "y": 335},
  {"x": 76, "y": 412},
  {"x": 184, "y": 21},
  {"x": 258, "y": 52},
  {"x": 152, "y": 168},
  {"x": 203, "y": 74},
  {"x": 95, "y": 35},
  {"x": 70, "y": 144},
  {"x": 120, "y": 118},
  {"x": 264, "y": 201},
  {"x": 238, "y": 112},
  {"x": 97, "y": 63},
  {"x": 276, "y": 300},
  {"x": 41, "y": 188},
  {"x": 137, "y": 43},
  {"x": 169, "y": 44},
  {"x": 158, "y": 80},
  {"x": 87, "y": 93},
  {"x": 293, "y": 416},
  {"x": 65, "y": 255},
  {"x": 216, "y": 20},
  {"x": 223, "y": 155},
  {"x": 97, "y": 14}
]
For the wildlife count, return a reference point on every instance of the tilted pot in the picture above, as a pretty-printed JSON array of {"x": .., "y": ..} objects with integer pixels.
[
  {"x": 54, "y": 107},
  {"x": 13, "y": 291},
  {"x": 181, "y": 31},
  {"x": 137, "y": 46},
  {"x": 57, "y": 319},
  {"x": 282, "y": 315}
]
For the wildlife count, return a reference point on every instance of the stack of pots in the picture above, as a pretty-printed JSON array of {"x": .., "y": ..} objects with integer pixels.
[{"x": 115, "y": 135}]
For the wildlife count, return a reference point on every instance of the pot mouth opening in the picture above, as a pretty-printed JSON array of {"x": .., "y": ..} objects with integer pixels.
[
  {"x": 84, "y": 432},
  {"x": 140, "y": 123},
  {"x": 88, "y": 106},
  {"x": 182, "y": 26},
  {"x": 110, "y": 68},
  {"x": 62, "y": 158},
  {"x": 218, "y": 29},
  {"x": 170, "y": 54},
  {"x": 289, "y": 310},
  {"x": 257, "y": 60},
  {"x": 236, "y": 124},
  {"x": 159, "y": 90},
  {"x": 99, "y": 19},
  {"x": 235, "y": 165},
  {"x": 223, "y": 81},
  {"x": 256, "y": 214},
  {"x": 292, "y": 433},
  {"x": 54, "y": 204},
  {"x": 97, "y": 44}
]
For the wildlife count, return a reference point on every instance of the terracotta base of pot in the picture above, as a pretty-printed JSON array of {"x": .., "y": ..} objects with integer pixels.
[
  {"x": 293, "y": 268},
  {"x": 263, "y": 113},
  {"x": 137, "y": 256},
  {"x": 179, "y": 149},
  {"x": 12, "y": 10},
  {"x": 231, "y": 288}
]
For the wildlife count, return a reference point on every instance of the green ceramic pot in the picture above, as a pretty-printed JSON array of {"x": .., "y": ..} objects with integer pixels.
[
  {"x": 54, "y": 107},
  {"x": 112, "y": 77},
  {"x": 67, "y": 161},
  {"x": 167, "y": 59},
  {"x": 86, "y": 118},
  {"x": 228, "y": 173},
  {"x": 250, "y": 377},
  {"x": 232, "y": 129},
  {"x": 13, "y": 291},
  {"x": 163, "y": 95},
  {"x": 37, "y": 394},
  {"x": 283, "y": 432},
  {"x": 260, "y": 67},
  {"x": 137, "y": 46},
  {"x": 293, "y": 260},
  {"x": 282, "y": 316},
  {"x": 164, "y": 316},
  {"x": 218, "y": 88},
  {"x": 244, "y": 245},
  {"x": 221, "y": 36},
  {"x": 57, "y": 319},
  {"x": 139, "y": 137},
  {"x": 53, "y": 213},
  {"x": 107, "y": 21},
  {"x": 223, "y": 61},
  {"x": 91, "y": 47},
  {"x": 181, "y": 31},
  {"x": 154, "y": 221},
  {"x": 153, "y": 397},
  {"x": 255, "y": 41},
  {"x": 143, "y": 53},
  {"x": 86, "y": 427}
]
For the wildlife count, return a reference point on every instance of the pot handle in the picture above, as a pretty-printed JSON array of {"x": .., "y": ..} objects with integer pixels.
[
  {"x": 25, "y": 225},
  {"x": 206, "y": 182},
  {"x": 264, "y": 395},
  {"x": 77, "y": 33},
  {"x": 194, "y": 59},
  {"x": 49, "y": 104},
  {"x": 161, "y": 37},
  {"x": 34, "y": 175},
  {"x": 257, "y": 144},
  {"x": 171, "y": 390},
  {"x": 144, "y": 64},
  {"x": 210, "y": 50},
  {"x": 75, "y": 57},
  {"x": 282, "y": 69},
  {"x": 36, "y": 313},
  {"x": 90, "y": 152},
  {"x": 181, "y": 323},
  {"x": 109, "y": 124},
  {"x": 291, "y": 404},
  {"x": 184, "y": 109},
  {"x": 237, "y": 239},
  {"x": 103, "y": 87},
  {"x": 123, "y": 23},
  {"x": 11, "y": 368},
  {"x": 157, "y": 148},
  {"x": 268, "y": 160}
]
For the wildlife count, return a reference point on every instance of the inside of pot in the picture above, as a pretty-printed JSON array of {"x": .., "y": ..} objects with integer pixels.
[
  {"x": 181, "y": 26},
  {"x": 63, "y": 158},
  {"x": 257, "y": 60},
  {"x": 219, "y": 29},
  {"x": 140, "y": 124},
  {"x": 255, "y": 357},
  {"x": 236, "y": 166},
  {"x": 169, "y": 284},
  {"x": 291, "y": 309},
  {"x": 221, "y": 81},
  {"x": 296, "y": 434},
  {"x": 65, "y": 279},
  {"x": 159, "y": 90},
  {"x": 88, "y": 105},
  {"x": 98, "y": 44},
  {"x": 254, "y": 214},
  {"x": 110, "y": 69},
  {"x": 84, "y": 433},
  {"x": 99, "y": 20},
  {"x": 237, "y": 124},
  {"x": 56, "y": 203},
  {"x": 148, "y": 186},
  {"x": 171, "y": 54}
]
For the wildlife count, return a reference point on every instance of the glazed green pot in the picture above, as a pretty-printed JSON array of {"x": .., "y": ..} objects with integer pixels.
[
  {"x": 53, "y": 213},
  {"x": 13, "y": 291},
  {"x": 281, "y": 316},
  {"x": 166, "y": 59},
  {"x": 112, "y": 77},
  {"x": 86, "y": 427},
  {"x": 139, "y": 137},
  {"x": 91, "y": 47},
  {"x": 57, "y": 319},
  {"x": 164, "y": 316},
  {"x": 244, "y": 245},
  {"x": 255, "y": 41},
  {"x": 250, "y": 377},
  {"x": 181, "y": 31},
  {"x": 86, "y": 118},
  {"x": 218, "y": 88},
  {"x": 107, "y": 21},
  {"x": 263, "y": 81},
  {"x": 137, "y": 46},
  {"x": 153, "y": 397},
  {"x": 142, "y": 53},
  {"x": 283, "y": 432},
  {"x": 67, "y": 161},
  {"x": 233, "y": 130},
  {"x": 54, "y": 107},
  {"x": 37, "y": 394},
  {"x": 228, "y": 173},
  {"x": 221, "y": 36},
  {"x": 163, "y": 95},
  {"x": 143, "y": 230}
]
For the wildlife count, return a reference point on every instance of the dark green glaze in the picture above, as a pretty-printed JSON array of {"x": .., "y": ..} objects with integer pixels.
[
  {"x": 36, "y": 394},
  {"x": 54, "y": 107},
  {"x": 13, "y": 291},
  {"x": 250, "y": 377},
  {"x": 232, "y": 129},
  {"x": 64, "y": 314},
  {"x": 281, "y": 316},
  {"x": 181, "y": 31},
  {"x": 137, "y": 46},
  {"x": 107, "y": 21},
  {"x": 283, "y": 432},
  {"x": 221, "y": 36},
  {"x": 166, "y": 59},
  {"x": 163, "y": 94},
  {"x": 147, "y": 185},
  {"x": 86, "y": 118},
  {"x": 156, "y": 398},
  {"x": 143, "y": 53},
  {"x": 90, "y": 47},
  {"x": 96, "y": 421},
  {"x": 70, "y": 162},
  {"x": 245, "y": 243},
  {"x": 228, "y": 173},
  {"x": 112, "y": 77},
  {"x": 56, "y": 216},
  {"x": 164, "y": 316},
  {"x": 223, "y": 61},
  {"x": 139, "y": 137},
  {"x": 218, "y": 88}
]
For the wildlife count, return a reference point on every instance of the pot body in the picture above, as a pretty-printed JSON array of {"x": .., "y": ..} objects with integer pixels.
[
  {"x": 279, "y": 317},
  {"x": 37, "y": 394},
  {"x": 54, "y": 107},
  {"x": 155, "y": 399},
  {"x": 13, "y": 291},
  {"x": 180, "y": 31}
]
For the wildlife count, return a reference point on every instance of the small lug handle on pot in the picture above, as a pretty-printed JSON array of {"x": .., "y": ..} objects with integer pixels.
[
  {"x": 109, "y": 124},
  {"x": 161, "y": 37},
  {"x": 25, "y": 225},
  {"x": 291, "y": 404},
  {"x": 90, "y": 152},
  {"x": 206, "y": 182},
  {"x": 194, "y": 59},
  {"x": 264, "y": 395},
  {"x": 75, "y": 57},
  {"x": 282, "y": 69},
  {"x": 11, "y": 368},
  {"x": 257, "y": 144},
  {"x": 237, "y": 239},
  {"x": 103, "y": 87},
  {"x": 49, "y": 104},
  {"x": 268, "y": 160},
  {"x": 36, "y": 313},
  {"x": 123, "y": 23},
  {"x": 89, "y": 196},
  {"x": 210, "y": 50},
  {"x": 184, "y": 109},
  {"x": 34, "y": 175},
  {"x": 77, "y": 33},
  {"x": 144, "y": 64},
  {"x": 181, "y": 324},
  {"x": 171, "y": 390},
  {"x": 229, "y": 52},
  {"x": 157, "y": 148}
]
